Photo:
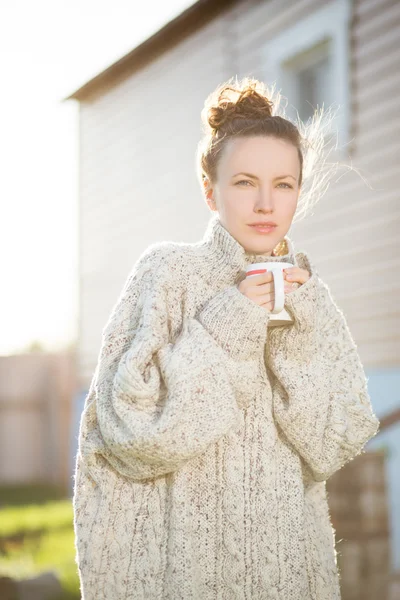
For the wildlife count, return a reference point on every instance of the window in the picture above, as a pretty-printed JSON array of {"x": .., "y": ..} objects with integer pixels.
[{"x": 310, "y": 64}]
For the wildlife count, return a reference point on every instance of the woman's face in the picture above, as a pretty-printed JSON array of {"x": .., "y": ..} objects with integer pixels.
[{"x": 257, "y": 180}]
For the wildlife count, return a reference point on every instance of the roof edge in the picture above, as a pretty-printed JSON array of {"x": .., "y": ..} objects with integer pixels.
[{"x": 172, "y": 33}]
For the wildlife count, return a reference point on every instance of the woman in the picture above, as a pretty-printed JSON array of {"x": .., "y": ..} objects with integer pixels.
[{"x": 207, "y": 436}]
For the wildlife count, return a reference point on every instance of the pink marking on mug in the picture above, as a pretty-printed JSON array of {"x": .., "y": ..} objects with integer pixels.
[{"x": 256, "y": 272}]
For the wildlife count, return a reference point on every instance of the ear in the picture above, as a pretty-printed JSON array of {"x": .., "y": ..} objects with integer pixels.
[{"x": 209, "y": 195}]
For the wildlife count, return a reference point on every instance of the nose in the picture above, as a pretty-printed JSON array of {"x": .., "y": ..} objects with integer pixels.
[{"x": 265, "y": 202}]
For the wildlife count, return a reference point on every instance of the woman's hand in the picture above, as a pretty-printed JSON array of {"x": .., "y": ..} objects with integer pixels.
[
  {"x": 296, "y": 276},
  {"x": 259, "y": 289}
]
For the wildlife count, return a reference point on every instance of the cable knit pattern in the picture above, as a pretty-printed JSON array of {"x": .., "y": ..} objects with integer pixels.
[{"x": 206, "y": 436}]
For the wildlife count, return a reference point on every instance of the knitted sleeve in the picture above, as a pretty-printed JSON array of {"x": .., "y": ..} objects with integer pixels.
[
  {"x": 320, "y": 396},
  {"x": 160, "y": 404}
]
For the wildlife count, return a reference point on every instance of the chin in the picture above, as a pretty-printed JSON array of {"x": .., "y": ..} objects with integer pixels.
[{"x": 260, "y": 248}]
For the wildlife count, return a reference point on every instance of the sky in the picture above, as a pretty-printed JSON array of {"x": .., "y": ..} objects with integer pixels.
[{"x": 48, "y": 49}]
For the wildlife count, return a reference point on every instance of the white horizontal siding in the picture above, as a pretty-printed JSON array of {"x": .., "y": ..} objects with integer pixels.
[
  {"x": 376, "y": 83},
  {"x": 253, "y": 25},
  {"x": 369, "y": 8},
  {"x": 367, "y": 27},
  {"x": 389, "y": 105},
  {"x": 343, "y": 212}
]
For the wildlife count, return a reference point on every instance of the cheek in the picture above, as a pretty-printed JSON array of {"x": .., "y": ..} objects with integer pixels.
[
  {"x": 285, "y": 213},
  {"x": 232, "y": 203},
  {"x": 291, "y": 205}
]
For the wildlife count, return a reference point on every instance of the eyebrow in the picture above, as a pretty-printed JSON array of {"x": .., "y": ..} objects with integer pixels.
[{"x": 255, "y": 176}]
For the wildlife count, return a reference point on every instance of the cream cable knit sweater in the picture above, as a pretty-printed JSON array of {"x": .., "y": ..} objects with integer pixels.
[{"x": 206, "y": 438}]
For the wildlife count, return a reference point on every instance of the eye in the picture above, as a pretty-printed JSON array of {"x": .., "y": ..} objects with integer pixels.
[
  {"x": 242, "y": 181},
  {"x": 284, "y": 183}
]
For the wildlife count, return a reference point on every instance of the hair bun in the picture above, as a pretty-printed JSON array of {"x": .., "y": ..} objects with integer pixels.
[{"x": 247, "y": 100}]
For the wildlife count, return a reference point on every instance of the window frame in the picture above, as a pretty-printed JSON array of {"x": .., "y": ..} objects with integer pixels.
[{"x": 333, "y": 22}]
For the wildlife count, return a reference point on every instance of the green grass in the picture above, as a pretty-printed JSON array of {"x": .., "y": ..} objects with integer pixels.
[
  {"x": 36, "y": 535},
  {"x": 21, "y": 495}
]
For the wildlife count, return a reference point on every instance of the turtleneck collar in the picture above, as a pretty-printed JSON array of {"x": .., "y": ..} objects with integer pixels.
[{"x": 230, "y": 257}]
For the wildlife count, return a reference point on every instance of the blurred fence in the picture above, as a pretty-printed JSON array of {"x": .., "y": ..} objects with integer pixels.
[
  {"x": 358, "y": 502},
  {"x": 36, "y": 395}
]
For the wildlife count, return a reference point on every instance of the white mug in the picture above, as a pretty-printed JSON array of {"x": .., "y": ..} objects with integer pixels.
[{"x": 279, "y": 315}]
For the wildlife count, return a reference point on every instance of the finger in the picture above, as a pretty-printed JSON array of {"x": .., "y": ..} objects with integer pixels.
[
  {"x": 298, "y": 275},
  {"x": 292, "y": 271},
  {"x": 292, "y": 287},
  {"x": 264, "y": 289},
  {"x": 263, "y": 298},
  {"x": 268, "y": 303},
  {"x": 261, "y": 277}
]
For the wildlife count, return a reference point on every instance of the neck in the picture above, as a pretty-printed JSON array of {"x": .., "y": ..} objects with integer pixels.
[{"x": 230, "y": 258}]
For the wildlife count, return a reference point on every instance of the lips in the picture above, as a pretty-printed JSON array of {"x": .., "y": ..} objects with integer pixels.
[{"x": 264, "y": 229}]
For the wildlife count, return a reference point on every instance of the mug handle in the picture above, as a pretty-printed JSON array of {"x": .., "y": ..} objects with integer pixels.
[{"x": 279, "y": 291}]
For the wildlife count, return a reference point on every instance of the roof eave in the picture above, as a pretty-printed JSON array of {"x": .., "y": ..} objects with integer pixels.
[{"x": 194, "y": 17}]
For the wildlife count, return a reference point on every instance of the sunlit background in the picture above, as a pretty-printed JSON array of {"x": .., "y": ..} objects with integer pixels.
[
  {"x": 47, "y": 50},
  {"x": 99, "y": 121}
]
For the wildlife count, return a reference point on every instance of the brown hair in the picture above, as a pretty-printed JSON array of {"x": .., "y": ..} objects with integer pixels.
[{"x": 248, "y": 108}]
